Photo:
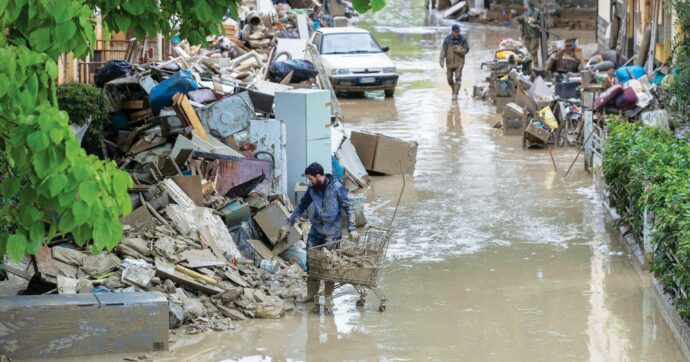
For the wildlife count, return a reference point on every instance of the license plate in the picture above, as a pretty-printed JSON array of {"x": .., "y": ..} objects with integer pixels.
[{"x": 367, "y": 80}]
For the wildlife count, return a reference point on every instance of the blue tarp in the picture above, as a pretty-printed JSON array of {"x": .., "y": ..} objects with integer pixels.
[
  {"x": 161, "y": 95},
  {"x": 626, "y": 74}
]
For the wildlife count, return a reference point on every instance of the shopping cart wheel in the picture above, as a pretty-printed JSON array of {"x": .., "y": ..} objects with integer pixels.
[
  {"x": 316, "y": 309},
  {"x": 382, "y": 308},
  {"x": 327, "y": 310},
  {"x": 361, "y": 302}
]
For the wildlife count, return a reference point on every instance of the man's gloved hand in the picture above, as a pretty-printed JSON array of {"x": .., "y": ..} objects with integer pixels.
[
  {"x": 283, "y": 232},
  {"x": 441, "y": 62},
  {"x": 354, "y": 236}
]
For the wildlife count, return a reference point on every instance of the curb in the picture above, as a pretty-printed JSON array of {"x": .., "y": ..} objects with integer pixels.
[{"x": 680, "y": 329}]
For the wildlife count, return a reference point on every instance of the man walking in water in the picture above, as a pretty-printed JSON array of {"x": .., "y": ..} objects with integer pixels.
[
  {"x": 453, "y": 53},
  {"x": 530, "y": 29}
]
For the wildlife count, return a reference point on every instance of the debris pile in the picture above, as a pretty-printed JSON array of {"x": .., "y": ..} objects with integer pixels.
[{"x": 550, "y": 106}]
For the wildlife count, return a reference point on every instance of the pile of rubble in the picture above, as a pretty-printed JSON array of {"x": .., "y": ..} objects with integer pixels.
[{"x": 211, "y": 166}]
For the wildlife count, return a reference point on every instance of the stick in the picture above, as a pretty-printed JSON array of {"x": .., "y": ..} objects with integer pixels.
[
  {"x": 553, "y": 160},
  {"x": 399, "y": 196},
  {"x": 578, "y": 155},
  {"x": 195, "y": 275}
]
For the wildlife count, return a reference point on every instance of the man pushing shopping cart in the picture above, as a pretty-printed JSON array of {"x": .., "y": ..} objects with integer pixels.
[{"x": 329, "y": 198}]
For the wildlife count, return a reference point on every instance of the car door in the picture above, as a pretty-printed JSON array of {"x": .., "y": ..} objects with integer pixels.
[{"x": 316, "y": 40}]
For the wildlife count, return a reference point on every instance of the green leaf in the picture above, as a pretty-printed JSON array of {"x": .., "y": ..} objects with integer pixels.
[
  {"x": 100, "y": 235},
  {"x": 361, "y": 6},
  {"x": 88, "y": 191},
  {"x": 80, "y": 210},
  {"x": 377, "y": 5},
  {"x": 60, "y": 11},
  {"x": 36, "y": 236},
  {"x": 66, "y": 30},
  {"x": 122, "y": 22},
  {"x": 52, "y": 69},
  {"x": 38, "y": 141},
  {"x": 67, "y": 222},
  {"x": 56, "y": 184},
  {"x": 28, "y": 215},
  {"x": 66, "y": 198},
  {"x": 134, "y": 7},
  {"x": 40, "y": 38},
  {"x": 9, "y": 186},
  {"x": 41, "y": 163},
  {"x": 121, "y": 182},
  {"x": 56, "y": 135},
  {"x": 16, "y": 245},
  {"x": 115, "y": 231},
  {"x": 81, "y": 234}
]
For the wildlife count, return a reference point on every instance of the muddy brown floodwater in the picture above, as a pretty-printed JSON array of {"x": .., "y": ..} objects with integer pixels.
[{"x": 495, "y": 257}]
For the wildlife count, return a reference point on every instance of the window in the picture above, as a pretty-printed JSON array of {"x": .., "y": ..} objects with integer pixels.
[{"x": 352, "y": 43}]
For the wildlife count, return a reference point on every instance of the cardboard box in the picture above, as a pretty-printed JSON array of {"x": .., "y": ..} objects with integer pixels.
[
  {"x": 391, "y": 152},
  {"x": 272, "y": 218},
  {"x": 384, "y": 154},
  {"x": 365, "y": 144},
  {"x": 538, "y": 132},
  {"x": 61, "y": 325}
]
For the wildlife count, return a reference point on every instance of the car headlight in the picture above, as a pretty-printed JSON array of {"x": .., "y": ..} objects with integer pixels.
[
  {"x": 389, "y": 70},
  {"x": 340, "y": 71}
]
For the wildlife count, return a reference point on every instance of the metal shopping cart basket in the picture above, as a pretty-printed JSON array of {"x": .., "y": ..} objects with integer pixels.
[{"x": 357, "y": 264}]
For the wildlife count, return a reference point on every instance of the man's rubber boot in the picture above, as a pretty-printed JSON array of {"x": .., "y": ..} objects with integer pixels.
[
  {"x": 312, "y": 289},
  {"x": 456, "y": 90},
  {"x": 328, "y": 289}
]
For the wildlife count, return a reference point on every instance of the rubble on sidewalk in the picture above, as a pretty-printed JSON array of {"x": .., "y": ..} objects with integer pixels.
[{"x": 210, "y": 188}]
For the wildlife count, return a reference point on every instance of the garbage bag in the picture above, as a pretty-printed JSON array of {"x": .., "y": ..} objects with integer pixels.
[
  {"x": 161, "y": 95},
  {"x": 627, "y": 99},
  {"x": 626, "y": 74},
  {"x": 112, "y": 70},
  {"x": 548, "y": 118},
  {"x": 301, "y": 70},
  {"x": 608, "y": 96}
]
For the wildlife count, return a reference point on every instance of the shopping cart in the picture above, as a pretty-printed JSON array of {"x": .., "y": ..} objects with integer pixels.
[{"x": 355, "y": 264}]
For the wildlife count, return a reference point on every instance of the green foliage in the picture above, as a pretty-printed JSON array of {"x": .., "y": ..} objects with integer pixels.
[
  {"x": 677, "y": 95},
  {"x": 81, "y": 102},
  {"x": 48, "y": 184},
  {"x": 647, "y": 167}
]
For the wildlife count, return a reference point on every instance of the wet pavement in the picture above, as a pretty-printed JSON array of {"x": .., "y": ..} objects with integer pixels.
[{"x": 495, "y": 256}]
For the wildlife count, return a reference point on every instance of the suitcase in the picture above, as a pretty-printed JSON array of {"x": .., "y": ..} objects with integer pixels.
[{"x": 608, "y": 96}]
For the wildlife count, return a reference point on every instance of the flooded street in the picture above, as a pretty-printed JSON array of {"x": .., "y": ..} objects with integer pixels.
[{"x": 495, "y": 256}]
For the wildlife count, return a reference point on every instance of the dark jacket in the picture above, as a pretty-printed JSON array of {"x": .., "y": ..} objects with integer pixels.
[
  {"x": 326, "y": 216},
  {"x": 453, "y": 50}
]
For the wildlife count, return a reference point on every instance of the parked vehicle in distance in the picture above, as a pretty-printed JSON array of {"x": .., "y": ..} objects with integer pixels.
[{"x": 354, "y": 60}]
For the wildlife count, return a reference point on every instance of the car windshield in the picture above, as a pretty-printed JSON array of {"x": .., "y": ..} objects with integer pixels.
[{"x": 349, "y": 44}]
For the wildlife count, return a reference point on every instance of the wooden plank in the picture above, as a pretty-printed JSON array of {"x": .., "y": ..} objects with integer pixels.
[
  {"x": 191, "y": 185},
  {"x": 167, "y": 271},
  {"x": 184, "y": 110}
]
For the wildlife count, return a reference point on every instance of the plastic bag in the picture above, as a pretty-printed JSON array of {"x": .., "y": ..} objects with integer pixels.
[
  {"x": 301, "y": 70},
  {"x": 548, "y": 118},
  {"x": 112, "y": 70},
  {"x": 626, "y": 74},
  {"x": 161, "y": 95}
]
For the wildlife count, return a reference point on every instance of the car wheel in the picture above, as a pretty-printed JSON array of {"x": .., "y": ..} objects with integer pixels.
[{"x": 389, "y": 93}]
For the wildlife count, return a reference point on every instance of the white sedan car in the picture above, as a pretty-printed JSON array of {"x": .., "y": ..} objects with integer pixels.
[{"x": 354, "y": 60}]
